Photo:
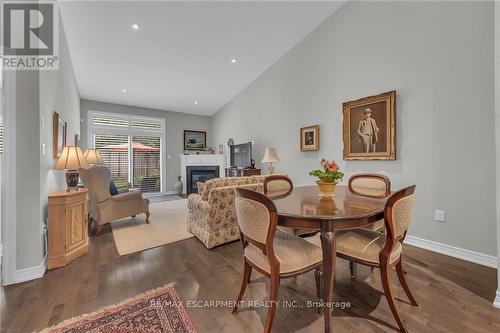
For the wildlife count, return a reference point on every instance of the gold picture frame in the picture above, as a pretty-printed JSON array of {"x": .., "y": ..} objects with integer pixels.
[
  {"x": 59, "y": 132},
  {"x": 309, "y": 138},
  {"x": 369, "y": 127}
]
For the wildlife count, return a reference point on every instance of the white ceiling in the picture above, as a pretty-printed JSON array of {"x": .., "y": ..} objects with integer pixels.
[{"x": 182, "y": 51}]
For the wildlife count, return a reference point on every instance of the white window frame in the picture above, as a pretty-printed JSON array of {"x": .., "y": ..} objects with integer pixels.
[{"x": 131, "y": 131}]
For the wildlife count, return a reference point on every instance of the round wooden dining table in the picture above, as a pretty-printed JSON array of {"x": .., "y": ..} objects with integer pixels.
[{"x": 306, "y": 209}]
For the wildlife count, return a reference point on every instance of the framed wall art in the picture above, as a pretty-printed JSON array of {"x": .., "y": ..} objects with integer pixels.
[
  {"x": 60, "y": 129},
  {"x": 309, "y": 138},
  {"x": 195, "y": 140},
  {"x": 369, "y": 128}
]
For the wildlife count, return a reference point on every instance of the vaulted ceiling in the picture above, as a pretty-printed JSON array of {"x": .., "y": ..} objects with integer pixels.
[{"x": 191, "y": 57}]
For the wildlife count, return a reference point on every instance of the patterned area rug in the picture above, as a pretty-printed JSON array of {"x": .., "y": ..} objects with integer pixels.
[{"x": 158, "y": 310}]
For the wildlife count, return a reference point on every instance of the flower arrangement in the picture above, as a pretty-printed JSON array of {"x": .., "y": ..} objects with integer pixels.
[{"x": 328, "y": 173}]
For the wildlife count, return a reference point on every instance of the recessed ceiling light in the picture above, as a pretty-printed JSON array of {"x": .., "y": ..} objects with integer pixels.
[
  {"x": 195, "y": 102},
  {"x": 134, "y": 26},
  {"x": 233, "y": 61},
  {"x": 124, "y": 90}
]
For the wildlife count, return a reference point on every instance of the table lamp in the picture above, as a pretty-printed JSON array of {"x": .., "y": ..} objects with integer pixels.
[
  {"x": 92, "y": 156},
  {"x": 71, "y": 159},
  {"x": 270, "y": 156}
]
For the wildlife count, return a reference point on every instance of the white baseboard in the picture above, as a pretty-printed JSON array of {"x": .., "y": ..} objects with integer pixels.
[
  {"x": 31, "y": 273},
  {"x": 496, "y": 303},
  {"x": 453, "y": 251}
]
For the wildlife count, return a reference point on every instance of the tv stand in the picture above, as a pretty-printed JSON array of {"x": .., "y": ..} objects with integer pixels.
[{"x": 243, "y": 172}]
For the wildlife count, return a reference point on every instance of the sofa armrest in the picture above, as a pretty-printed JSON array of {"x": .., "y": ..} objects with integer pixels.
[{"x": 195, "y": 202}]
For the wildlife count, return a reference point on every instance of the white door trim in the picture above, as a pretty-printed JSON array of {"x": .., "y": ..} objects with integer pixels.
[{"x": 9, "y": 181}]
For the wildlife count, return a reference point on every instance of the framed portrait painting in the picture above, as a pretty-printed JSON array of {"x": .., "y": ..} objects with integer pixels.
[
  {"x": 60, "y": 129},
  {"x": 369, "y": 128},
  {"x": 309, "y": 138},
  {"x": 195, "y": 140}
]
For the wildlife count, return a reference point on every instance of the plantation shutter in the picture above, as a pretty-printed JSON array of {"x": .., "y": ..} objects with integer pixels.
[{"x": 131, "y": 148}]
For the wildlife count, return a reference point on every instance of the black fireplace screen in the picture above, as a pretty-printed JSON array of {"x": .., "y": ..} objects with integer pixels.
[{"x": 196, "y": 174}]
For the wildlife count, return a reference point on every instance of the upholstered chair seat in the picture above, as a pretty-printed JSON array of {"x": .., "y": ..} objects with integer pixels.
[
  {"x": 365, "y": 245},
  {"x": 293, "y": 253}
]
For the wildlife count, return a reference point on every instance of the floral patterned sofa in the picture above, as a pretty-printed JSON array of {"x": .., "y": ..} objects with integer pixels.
[{"x": 211, "y": 212}]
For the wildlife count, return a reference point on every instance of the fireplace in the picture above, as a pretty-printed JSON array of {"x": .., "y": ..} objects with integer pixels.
[{"x": 196, "y": 174}]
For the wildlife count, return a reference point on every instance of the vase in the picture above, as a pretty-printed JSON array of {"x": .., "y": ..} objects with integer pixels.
[
  {"x": 326, "y": 188},
  {"x": 178, "y": 186}
]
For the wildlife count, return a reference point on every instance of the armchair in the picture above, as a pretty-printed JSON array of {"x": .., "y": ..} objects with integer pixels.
[{"x": 105, "y": 208}]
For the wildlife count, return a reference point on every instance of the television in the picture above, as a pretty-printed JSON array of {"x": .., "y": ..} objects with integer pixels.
[{"x": 241, "y": 155}]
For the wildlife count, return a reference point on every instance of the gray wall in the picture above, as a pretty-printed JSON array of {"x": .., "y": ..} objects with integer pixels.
[
  {"x": 38, "y": 95},
  {"x": 497, "y": 131},
  {"x": 58, "y": 93},
  {"x": 29, "y": 243},
  {"x": 176, "y": 124},
  {"x": 439, "y": 58}
]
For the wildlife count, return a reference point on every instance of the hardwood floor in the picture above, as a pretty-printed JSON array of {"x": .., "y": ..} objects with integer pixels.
[{"x": 454, "y": 295}]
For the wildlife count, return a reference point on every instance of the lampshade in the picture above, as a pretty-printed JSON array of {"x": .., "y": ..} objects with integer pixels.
[
  {"x": 92, "y": 156},
  {"x": 270, "y": 156},
  {"x": 71, "y": 159}
]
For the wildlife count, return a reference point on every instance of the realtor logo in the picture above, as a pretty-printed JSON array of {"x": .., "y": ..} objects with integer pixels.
[{"x": 29, "y": 35}]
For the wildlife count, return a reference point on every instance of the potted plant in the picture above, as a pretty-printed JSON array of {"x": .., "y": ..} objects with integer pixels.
[{"x": 328, "y": 176}]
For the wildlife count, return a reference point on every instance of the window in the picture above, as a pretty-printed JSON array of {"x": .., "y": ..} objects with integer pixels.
[{"x": 131, "y": 147}]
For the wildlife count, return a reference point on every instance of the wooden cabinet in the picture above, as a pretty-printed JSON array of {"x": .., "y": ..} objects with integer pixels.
[
  {"x": 68, "y": 238},
  {"x": 235, "y": 172}
]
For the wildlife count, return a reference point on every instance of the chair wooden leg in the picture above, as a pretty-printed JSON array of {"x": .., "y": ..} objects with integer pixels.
[
  {"x": 273, "y": 297},
  {"x": 385, "y": 273},
  {"x": 147, "y": 217},
  {"x": 353, "y": 267},
  {"x": 404, "y": 284},
  {"x": 247, "y": 270}
]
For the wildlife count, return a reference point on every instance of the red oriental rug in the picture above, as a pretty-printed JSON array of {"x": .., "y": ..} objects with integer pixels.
[{"x": 158, "y": 310}]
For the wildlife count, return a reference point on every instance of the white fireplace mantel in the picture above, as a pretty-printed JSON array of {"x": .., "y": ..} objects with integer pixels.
[{"x": 201, "y": 160}]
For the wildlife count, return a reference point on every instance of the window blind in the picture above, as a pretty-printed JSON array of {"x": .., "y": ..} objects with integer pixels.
[{"x": 130, "y": 147}]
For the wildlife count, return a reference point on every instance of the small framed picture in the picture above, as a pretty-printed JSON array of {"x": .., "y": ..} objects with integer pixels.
[
  {"x": 195, "y": 140},
  {"x": 370, "y": 128},
  {"x": 309, "y": 138},
  {"x": 60, "y": 129}
]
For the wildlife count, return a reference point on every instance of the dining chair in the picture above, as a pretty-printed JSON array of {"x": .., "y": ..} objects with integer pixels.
[
  {"x": 273, "y": 253},
  {"x": 276, "y": 186},
  {"x": 383, "y": 250},
  {"x": 372, "y": 185}
]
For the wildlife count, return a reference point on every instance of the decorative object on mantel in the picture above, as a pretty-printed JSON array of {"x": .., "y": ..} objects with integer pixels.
[
  {"x": 370, "y": 128},
  {"x": 195, "y": 140},
  {"x": 92, "y": 156},
  {"x": 270, "y": 157},
  {"x": 151, "y": 311},
  {"x": 230, "y": 142},
  {"x": 60, "y": 129},
  {"x": 178, "y": 186},
  {"x": 309, "y": 138},
  {"x": 72, "y": 160},
  {"x": 329, "y": 175}
]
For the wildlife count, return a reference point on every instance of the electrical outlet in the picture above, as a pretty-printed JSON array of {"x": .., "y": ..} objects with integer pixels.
[{"x": 439, "y": 215}]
